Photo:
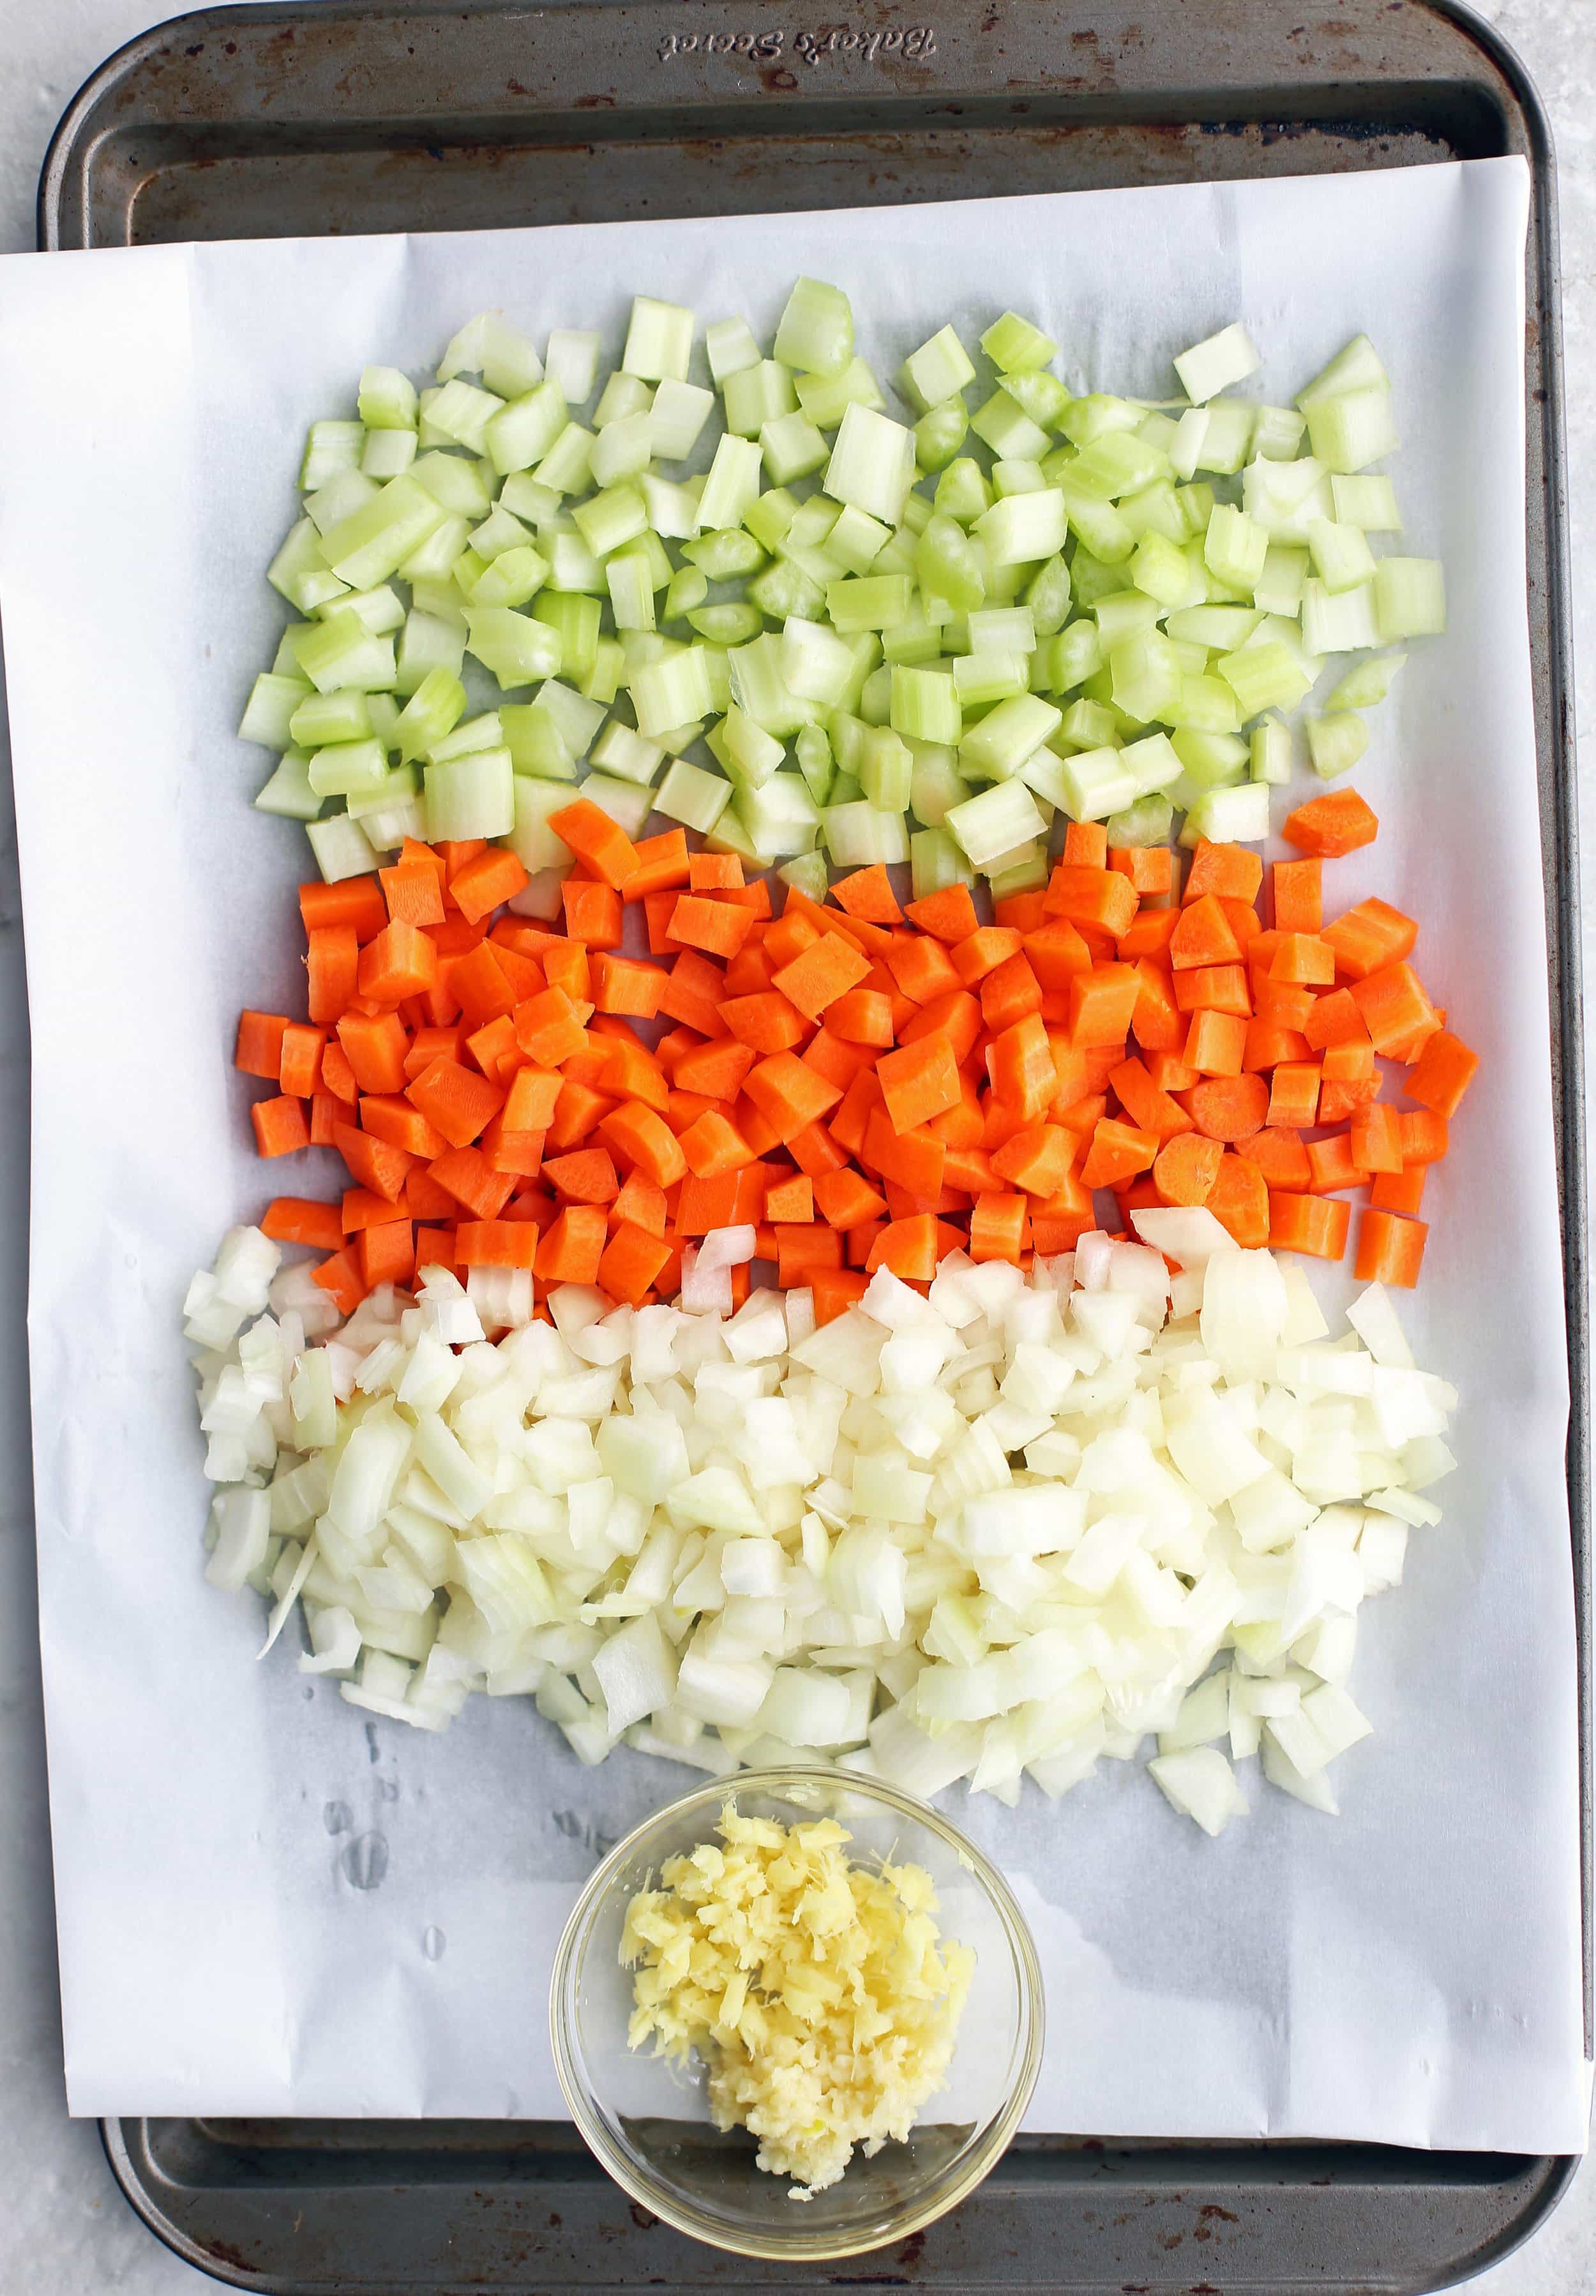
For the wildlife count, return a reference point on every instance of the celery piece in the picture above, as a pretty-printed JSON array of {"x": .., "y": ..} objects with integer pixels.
[
  {"x": 1192, "y": 659},
  {"x": 980, "y": 678},
  {"x": 434, "y": 559},
  {"x": 1125, "y": 614},
  {"x": 923, "y": 706},
  {"x": 1023, "y": 528},
  {"x": 320, "y": 718},
  {"x": 534, "y": 845},
  {"x": 1277, "y": 590},
  {"x": 885, "y": 771},
  {"x": 341, "y": 652},
  {"x": 962, "y": 493},
  {"x": 1106, "y": 534},
  {"x": 330, "y": 447},
  {"x": 512, "y": 579},
  {"x": 1065, "y": 661},
  {"x": 1148, "y": 822},
  {"x": 1335, "y": 744},
  {"x": 1155, "y": 509},
  {"x": 1409, "y": 598},
  {"x": 947, "y": 562},
  {"x": 1015, "y": 347},
  {"x": 1229, "y": 816},
  {"x": 876, "y": 602},
  {"x": 1043, "y": 774},
  {"x": 939, "y": 371},
  {"x": 1022, "y": 871},
  {"x": 631, "y": 591},
  {"x": 815, "y": 332},
  {"x": 1227, "y": 436},
  {"x": 567, "y": 466},
  {"x": 858, "y": 835},
  {"x": 435, "y": 707},
  {"x": 730, "y": 347},
  {"x": 386, "y": 453},
  {"x": 814, "y": 662},
  {"x": 913, "y": 641},
  {"x": 1210, "y": 758},
  {"x": 1185, "y": 448},
  {"x": 1205, "y": 705},
  {"x": 792, "y": 448},
  {"x": 498, "y": 352},
  {"x": 627, "y": 805},
  {"x": 607, "y": 520},
  {"x": 289, "y": 792},
  {"x": 824, "y": 398},
  {"x": 673, "y": 511},
  {"x": 733, "y": 486},
  {"x": 1146, "y": 676},
  {"x": 871, "y": 464},
  {"x": 1117, "y": 463},
  {"x": 813, "y": 750},
  {"x": 622, "y": 752},
  {"x": 483, "y": 733},
  {"x": 1221, "y": 627},
  {"x": 659, "y": 340},
  {"x": 1263, "y": 677},
  {"x": 939, "y": 434},
  {"x": 1282, "y": 498},
  {"x": 857, "y": 540},
  {"x": 875, "y": 698},
  {"x": 726, "y": 555},
  {"x": 1096, "y": 782},
  {"x": 342, "y": 849},
  {"x": 1159, "y": 567},
  {"x": 602, "y": 681},
  {"x": 1008, "y": 429},
  {"x": 382, "y": 713},
  {"x": 1341, "y": 557},
  {"x": 935, "y": 863},
  {"x": 729, "y": 625},
  {"x": 1040, "y": 396},
  {"x": 395, "y": 791},
  {"x": 672, "y": 693},
  {"x": 677, "y": 415},
  {"x": 527, "y": 498},
  {"x": 757, "y": 394},
  {"x": 1355, "y": 368},
  {"x": 366, "y": 549},
  {"x": 1005, "y": 738},
  {"x": 1158, "y": 430},
  {"x": 1091, "y": 725},
  {"x": 622, "y": 450},
  {"x": 1343, "y": 622},
  {"x": 917, "y": 515},
  {"x": 1368, "y": 683},
  {"x": 268, "y": 714},
  {"x": 1195, "y": 503},
  {"x": 1047, "y": 597},
  {"x": 1352, "y": 429},
  {"x": 388, "y": 400},
  {"x": 1277, "y": 432},
  {"x": 1017, "y": 478},
  {"x": 936, "y": 781},
  {"x": 576, "y": 618},
  {"x": 689, "y": 588},
  {"x": 1270, "y": 757},
  {"x": 381, "y": 609},
  {"x": 1216, "y": 362},
  {"x": 455, "y": 484},
  {"x": 1152, "y": 763},
  {"x": 461, "y": 413},
  {"x": 516, "y": 648},
  {"x": 1369, "y": 502},
  {"x": 783, "y": 588},
  {"x": 845, "y": 791},
  {"x": 1235, "y": 546},
  {"x": 806, "y": 873},
  {"x": 1002, "y": 629},
  {"x": 466, "y": 571},
  {"x": 572, "y": 355}
]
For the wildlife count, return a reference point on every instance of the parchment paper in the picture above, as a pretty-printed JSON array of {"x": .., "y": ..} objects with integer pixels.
[{"x": 268, "y": 1903}]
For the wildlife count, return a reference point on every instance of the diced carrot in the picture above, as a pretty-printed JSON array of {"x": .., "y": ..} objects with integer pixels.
[
  {"x": 278, "y": 1124},
  {"x": 908, "y": 1247},
  {"x": 914, "y": 1160},
  {"x": 846, "y": 1198},
  {"x": 413, "y": 893},
  {"x": 1239, "y": 1201},
  {"x": 765, "y": 1021},
  {"x": 258, "y": 1051},
  {"x": 1089, "y": 894},
  {"x": 572, "y": 1247},
  {"x": 987, "y": 947},
  {"x": 297, "y": 1219},
  {"x": 299, "y": 1060},
  {"x": 1149, "y": 1109},
  {"x": 1303, "y": 960},
  {"x": 585, "y": 1176},
  {"x": 1102, "y": 1003},
  {"x": 478, "y": 982},
  {"x": 1228, "y": 1108},
  {"x": 1149, "y": 934},
  {"x": 1438, "y": 1078},
  {"x": 375, "y": 1045},
  {"x": 862, "y": 1016},
  {"x": 599, "y": 841},
  {"x": 1019, "y": 1066},
  {"x": 693, "y": 993},
  {"x": 1334, "y": 1020},
  {"x": 341, "y": 1279},
  {"x": 630, "y": 1261},
  {"x": 1214, "y": 988},
  {"x": 1393, "y": 1003},
  {"x": 622, "y": 986},
  {"x": 718, "y": 1069},
  {"x": 1009, "y": 992},
  {"x": 324, "y": 1113},
  {"x": 1150, "y": 867},
  {"x": 338, "y": 1078},
  {"x": 487, "y": 882},
  {"x": 1298, "y": 898},
  {"x": 518, "y": 1154},
  {"x": 1186, "y": 1167},
  {"x": 1169, "y": 1074},
  {"x": 642, "y": 1203},
  {"x": 1332, "y": 1166},
  {"x": 497, "y": 1244},
  {"x": 948, "y": 915},
  {"x": 791, "y": 1201},
  {"x": 1331, "y": 825},
  {"x": 355, "y": 902},
  {"x": 662, "y": 863},
  {"x": 1376, "y": 1137},
  {"x": 1316, "y": 1225},
  {"x": 1086, "y": 845},
  {"x": 922, "y": 967},
  {"x": 1216, "y": 1044},
  {"x": 1156, "y": 1019},
  {"x": 1390, "y": 1249},
  {"x": 1268, "y": 1047},
  {"x": 714, "y": 872},
  {"x": 998, "y": 1225},
  {"x": 1393, "y": 1191},
  {"x": 1056, "y": 954},
  {"x": 700, "y": 922},
  {"x": 1423, "y": 1136},
  {"x": 642, "y": 1141},
  {"x": 712, "y": 1144},
  {"x": 1036, "y": 1160},
  {"x": 593, "y": 912},
  {"x": 387, "y": 1253},
  {"x": 836, "y": 1290},
  {"x": 373, "y": 1163},
  {"x": 1279, "y": 1155},
  {"x": 393, "y": 1118},
  {"x": 788, "y": 1094},
  {"x": 1293, "y": 1094},
  {"x": 1371, "y": 935},
  {"x": 400, "y": 961},
  {"x": 471, "y": 1180},
  {"x": 957, "y": 1016},
  {"x": 835, "y": 1058},
  {"x": 868, "y": 893},
  {"x": 453, "y": 1099},
  {"x": 814, "y": 1151},
  {"x": 1229, "y": 871},
  {"x": 1203, "y": 935},
  {"x": 1118, "y": 1151},
  {"x": 821, "y": 973}
]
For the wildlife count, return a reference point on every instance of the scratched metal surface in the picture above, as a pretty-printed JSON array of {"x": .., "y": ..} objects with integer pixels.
[{"x": 340, "y": 118}]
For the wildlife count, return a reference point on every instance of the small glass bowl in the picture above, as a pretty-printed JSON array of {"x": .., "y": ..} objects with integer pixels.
[{"x": 648, "y": 2122}]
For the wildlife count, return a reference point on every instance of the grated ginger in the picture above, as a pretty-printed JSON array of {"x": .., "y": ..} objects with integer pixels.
[{"x": 818, "y": 1993}]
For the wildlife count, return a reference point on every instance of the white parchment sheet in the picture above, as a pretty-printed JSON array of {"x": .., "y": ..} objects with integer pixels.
[{"x": 268, "y": 1903}]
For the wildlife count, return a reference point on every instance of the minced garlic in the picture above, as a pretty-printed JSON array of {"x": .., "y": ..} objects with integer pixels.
[{"x": 816, "y": 1991}]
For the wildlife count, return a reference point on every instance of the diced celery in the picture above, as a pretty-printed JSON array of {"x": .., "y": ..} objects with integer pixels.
[
  {"x": 386, "y": 453},
  {"x": 1409, "y": 598},
  {"x": 1044, "y": 774},
  {"x": 1208, "y": 760},
  {"x": 962, "y": 493},
  {"x": 627, "y": 805},
  {"x": 1004, "y": 426},
  {"x": 813, "y": 749},
  {"x": 534, "y": 845},
  {"x": 980, "y": 678},
  {"x": 627, "y": 574},
  {"x": 824, "y": 398},
  {"x": 857, "y": 835},
  {"x": 1277, "y": 432},
  {"x": 382, "y": 712},
  {"x": 726, "y": 556},
  {"x": 730, "y": 347},
  {"x": 1155, "y": 509},
  {"x": 1015, "y": 347},
  {"x": 1147, "y": 676},
  {"x": 659, "y": 340},
  {"x": 672, "y": 693},
  {"x": 435, "y": 559},
  {"x": 792, "y": 448},
  {"x": 1355, "y": 368},
  {"x": 269, "y": 711},
  {"x": 885, "y": 771},
  {"x": 1205, "y": 704},
  {"x": 1125, "y": 614},
  {"x": 1368, "y": 683},
  {"x": 677, "y": 415},
  {"x": 875, "y": 697},
  {"x": 463, "y": 413},
  {"x": 1270, "y": 758},
  {"x": 871, "y": 464},
  {"x": 381, "y": 609},
  {"x": 342, "y": 849},
  {"x": 727, "y": 625},
  {"x": 1277, "y": 590},
  {"x": 744, "y": 751},
  {"x": 607, "y": 521},
  {"x": 567, "y": 465},
  {"x": 1282, "y": 498},
  {"x": 1263, "y": 677},
  {"x": 1352, "y": 429},
  {"x": 1148, "y": 822},
  {"x": 947, "y": 563},
  {"x": 1048, "y": 597},
  {"x": 1159, "y": 568},
  {"x": 387, "y": 399},
  {"x": 1091, "y": 725},
  {"x": 320, "y": 718},
  {"x": 365, "y": 549},
  {"x": 939, "y": 434},
  {"x": 602, "y": 681},
  {"x": 1216, "y": 362},
  {"x": 622, "y": 450},
  {"x": 690, "y": 795},
  {"x": 1105, "y": 534},
  {"x": 301, "y": 573},
  {"x": 455, "y": 484},
  {"x": 498, "y": 352},
  {"x": 330, "y": 447},
  {"x": 1151, "y": 763},
  {"x": 1369, "y": 502},
  {"x": 1185, "y": 448},
  {"x": 1022, "y": 871},
  {"x": 876, "y": 602},
  {"x": 1070, "y": 658},
  {"x": 1229, "y": 816},
  {"x": 577, "y": 619},
  {"x": 1095, "y": 783},
  {"x": 341, "y": 652},
  {"x": 518, "y": 650},
  {"x": 758, "y": 395},
  {"x": 935, "y": 863},
  {"x": 572, "y": 355},
  {"x": 1335, "y": 744},
  {"x": 733, "y": 486},
  {"x": 1221, "y": 627},
  {"x": 1116, "y": 463},
  {"x": 623, "y": 753},
  {"x": 1342, "y": 623},
  {"x": 384, "y": 799},
  {"x": 289, "y": 792},
  {"x": 1341, "y": 557},
  {"x": 512, "y": 577},
  {"x": 1227, "y": 436},
  {"x": 1021, "y": 528},
  {"x": 807, "y": 874},
  {"x": 855, "y": 540},
  {"x": 937, "y": 371},
  {"x": 783, "y": 588},
  {"x": 473, "y": 796},
  {"x": 536, "y": 744},
  {"x": 1002, "y": 742},
  {"x": 815, "y": 664},
  {"x": 816, "y": 333},
  {"x": 577, "y": 716},
  {"x": 1234, "y": 548},
  {"x": 484, "y": 733},
  {"x": 689, "y": 588}
]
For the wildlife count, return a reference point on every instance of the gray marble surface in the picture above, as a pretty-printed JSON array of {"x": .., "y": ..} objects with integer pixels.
[{"x": 64, "y": 2230}]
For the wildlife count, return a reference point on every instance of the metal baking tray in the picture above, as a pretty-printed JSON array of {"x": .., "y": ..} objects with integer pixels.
[{"x": 244, "y": 122}]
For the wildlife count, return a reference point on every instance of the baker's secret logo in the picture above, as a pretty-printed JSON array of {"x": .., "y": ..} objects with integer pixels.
[{"x": 911, "y": 42}]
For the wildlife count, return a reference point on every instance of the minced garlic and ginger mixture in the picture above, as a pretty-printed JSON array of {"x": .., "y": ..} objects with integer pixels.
[{"x": 818, "y": 1993}]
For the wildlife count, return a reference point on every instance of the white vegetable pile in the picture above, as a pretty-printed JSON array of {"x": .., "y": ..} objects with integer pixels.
[
  {"x": 910, "y": 624},
  {"x": 1004, "y": 1528}
]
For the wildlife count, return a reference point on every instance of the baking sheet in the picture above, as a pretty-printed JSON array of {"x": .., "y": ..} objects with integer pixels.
[{"x": 269, "y": 1903}]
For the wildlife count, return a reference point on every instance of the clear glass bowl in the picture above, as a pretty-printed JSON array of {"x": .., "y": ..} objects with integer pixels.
[{"x": 648, "y": 2122}]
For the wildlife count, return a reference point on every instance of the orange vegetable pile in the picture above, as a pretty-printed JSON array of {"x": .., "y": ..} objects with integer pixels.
[{"x": 864, "y": 1086}]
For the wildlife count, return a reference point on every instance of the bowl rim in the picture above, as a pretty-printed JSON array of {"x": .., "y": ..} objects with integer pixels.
[{"x": 795, "y": 2246}]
